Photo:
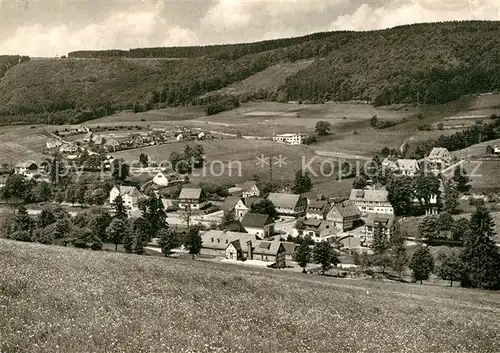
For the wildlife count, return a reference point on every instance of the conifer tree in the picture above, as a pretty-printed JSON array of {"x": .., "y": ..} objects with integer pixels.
[
  {"x": 380, "y": 247},
  {"x": 480, "y": 259},
  {"x": 120, "y": 210},
  {"x": 422, "y": 264},
  {"x": 399, "y": 258}
]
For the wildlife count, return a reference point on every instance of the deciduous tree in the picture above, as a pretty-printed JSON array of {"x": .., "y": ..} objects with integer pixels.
[
  {"x": 422, "y": 264},
  {"x": 303, "y": 255},
  {"x": 325, "y": 255}
]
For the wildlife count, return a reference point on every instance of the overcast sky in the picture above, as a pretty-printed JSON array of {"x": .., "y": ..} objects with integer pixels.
[{"x": 53, "y": 27}]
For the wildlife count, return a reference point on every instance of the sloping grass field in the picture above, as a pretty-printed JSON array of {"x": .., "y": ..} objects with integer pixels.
[{"x": 56, "y": 299}]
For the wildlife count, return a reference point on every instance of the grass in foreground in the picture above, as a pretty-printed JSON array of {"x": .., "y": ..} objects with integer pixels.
[{"x": 67, "y": 300}]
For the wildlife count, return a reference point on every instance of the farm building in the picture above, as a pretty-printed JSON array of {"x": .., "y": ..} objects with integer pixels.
[
  {"x": 291, "y": 139},
  {"x": 371, "y": 200},
  {"x": 288, "y": 204},
  {"x": 260, "y": 225},
  {"x": 344, "y": 215}
]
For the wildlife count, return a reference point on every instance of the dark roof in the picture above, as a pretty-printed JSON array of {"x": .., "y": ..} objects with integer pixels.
[
  {"x": 317, "y": 205},
  {"x": 284, "y": 200},
  {"x": 233, "y": 226},
  {"x": 374, "y": 218},
  {"x": 289, "y": 247},
  {"x": 347, "y": 209},
  {"x": 256, "y": 220},
  {"x": 230, "y": 203},
  {"x": 190, "y": 193},
  {"x": 247, "y": 186},
  {"x": 249, "y": 201}
]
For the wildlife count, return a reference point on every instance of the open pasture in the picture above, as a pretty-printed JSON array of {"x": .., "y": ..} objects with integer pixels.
[
  {"x": 236, "y": 160},
  {"x": 57, "y": 299}
]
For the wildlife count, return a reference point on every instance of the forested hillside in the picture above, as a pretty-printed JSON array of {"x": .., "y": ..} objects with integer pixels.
[{"x": 424, "y": 63}]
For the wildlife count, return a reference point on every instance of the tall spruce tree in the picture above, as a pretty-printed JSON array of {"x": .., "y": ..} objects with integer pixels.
[
  {"x": 422, "y": 264},
  {"x": 480, "y": 258},
  {"x": 380, "y": 247},
  {"x": 120, "y": 210},
  {"x": 398, "y": 256},
  {"x": 116, "y": 231}
]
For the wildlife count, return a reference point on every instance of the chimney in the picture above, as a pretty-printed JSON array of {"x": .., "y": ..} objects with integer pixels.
[{"x": 249, "y": 250}]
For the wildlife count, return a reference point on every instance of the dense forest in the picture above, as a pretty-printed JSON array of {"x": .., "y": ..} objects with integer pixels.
[{"x": 423, "y": 63}]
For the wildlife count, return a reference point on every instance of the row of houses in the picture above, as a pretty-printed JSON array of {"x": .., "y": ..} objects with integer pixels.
[{"x": 246, "y": 246}]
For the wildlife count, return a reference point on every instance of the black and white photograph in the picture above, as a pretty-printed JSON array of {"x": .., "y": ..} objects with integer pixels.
[{"x": 254, "y": 176}]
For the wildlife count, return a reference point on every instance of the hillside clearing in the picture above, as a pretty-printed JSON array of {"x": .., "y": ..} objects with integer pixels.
[{"x": 68, "y": 300}]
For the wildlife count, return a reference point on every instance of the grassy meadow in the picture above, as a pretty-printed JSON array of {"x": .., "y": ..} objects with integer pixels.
[{"x": 56, "y": 299}]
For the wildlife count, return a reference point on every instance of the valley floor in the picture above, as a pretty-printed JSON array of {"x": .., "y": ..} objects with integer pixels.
[{"x": 68, "y": 300}]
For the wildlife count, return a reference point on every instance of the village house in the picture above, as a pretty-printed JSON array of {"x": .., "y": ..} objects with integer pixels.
[
  {"x": 68, "y": 148},
  {"x": 408, "y": 167},
  {"x": 288, "y": 204},
  {"x": 390, "y": 163},
  {"x": 97, "y": 140},
  {"x": 130, "y": 194},
  {"x": 376, "y": 220},
  {"x": 111, "y": 145},
  {"x": 215, "y": 242},
  {"x": 88, "y": 137},
  {"x": 190, "y": 198},
  {"x": 291, "y": 139},
  {"x": 250, "y": 189},
  {"x": 27, "y": 169},
  {"x": 371, "y": 200},
  {"x": 439, "y": 158},
  {"x": 270, "y": 251},
  {"x": 54, "y": 144},
  {"x": 165, "y": 179},
  {"x": 234, "y": 206},
  {"x": 318, "y": 230},
  {"x": 261, "y": 225},
  {"x": 344, "y": 215},
  {"x": 81, "y": 129},
  {"x": 289, "y": 250},
  {"x": 496, "y": 149},
  {"x": 317, "y": 209}
]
